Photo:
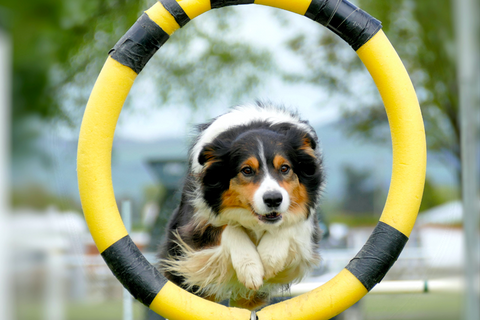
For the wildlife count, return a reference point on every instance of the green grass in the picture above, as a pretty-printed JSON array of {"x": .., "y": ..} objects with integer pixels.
[
  {"x": 428, "y": 306},
  {"x": 103, "y": 311},
  {"x": 354, "y": 220},
  {"x": 375, "y": 307},
  {"x": 106, "y": 310}
]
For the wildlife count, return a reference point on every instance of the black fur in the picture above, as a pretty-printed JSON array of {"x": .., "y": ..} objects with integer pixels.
[
  {"x": 221, "y": 159},
  {"x": 231, "y": 148}
]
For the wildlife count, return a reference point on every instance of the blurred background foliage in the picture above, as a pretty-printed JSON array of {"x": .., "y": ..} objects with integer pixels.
[
  {"x": 52, "y": 44},
  {"x": 422, "y": 34},
  {"x": 60, "y": 45}
]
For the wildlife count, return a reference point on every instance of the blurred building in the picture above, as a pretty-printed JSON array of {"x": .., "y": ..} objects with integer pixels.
[{"x": 56, "y": 262}]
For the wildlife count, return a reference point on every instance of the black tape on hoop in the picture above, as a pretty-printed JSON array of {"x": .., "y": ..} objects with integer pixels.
[
  {"x": 176, "y": 11},
  {"x": 352, "y": 24},
  {"x": 139, "y": 44},
  {"x": 377, "y": 255},
  {"x": 215, "y": 4},
  {"x": 133, "y": 270}
]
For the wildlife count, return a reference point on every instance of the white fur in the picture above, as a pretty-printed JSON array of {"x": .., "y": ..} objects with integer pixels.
[
  {"x": 282, "y": 255},
  {"x": 268, "y": 185},
  {"x": 244, "y": 256},
  {"x": 243, "y": 115},
  {"x": 273, "y": 251},
  {"x": 288, "y": 247}
]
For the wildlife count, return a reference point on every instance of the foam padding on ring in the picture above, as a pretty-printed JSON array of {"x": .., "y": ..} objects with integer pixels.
[
  {"x": 408, "y": 133},
  {"x": 163, "y": 18},
  {"x": 215, "y": 4},
  {"x": 322, "y": 303},
  {"x": 94, "y": 153},
  {"x": 105, "y": 224},
  {"x": 297, "y": 6},
  {"x": 139, "y": 44},
  {"x": 133, "y": 270},
  {"x": 194, "y": 8},
  {"x": 378, "y": 255},
  {"x": 172, "y": 302},
  {"x": 349, "y": 22},
  {"x": 176, "y": 11}
]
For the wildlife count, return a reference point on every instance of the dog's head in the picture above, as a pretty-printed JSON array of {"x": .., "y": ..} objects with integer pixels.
[{"x": 261, "y": 174}]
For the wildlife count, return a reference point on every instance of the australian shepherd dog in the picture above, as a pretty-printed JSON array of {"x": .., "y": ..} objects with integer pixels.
[{"x": 246, "y": 224}]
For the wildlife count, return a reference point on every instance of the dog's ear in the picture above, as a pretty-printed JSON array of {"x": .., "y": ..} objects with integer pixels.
[
  {"x": 215, "y": 174},
  {"x": 206, "y": 155},
  {"x": 307, "y": 160},
  {"x": 308, "y": 145},
  {"x": 212, "y": 153}
]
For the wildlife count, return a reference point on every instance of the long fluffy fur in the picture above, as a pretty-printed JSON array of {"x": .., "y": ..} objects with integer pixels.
[{"x": 246, "y": 224}]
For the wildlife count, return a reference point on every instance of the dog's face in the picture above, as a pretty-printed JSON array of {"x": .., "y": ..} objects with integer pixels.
[{"x": 260, "y": 175}]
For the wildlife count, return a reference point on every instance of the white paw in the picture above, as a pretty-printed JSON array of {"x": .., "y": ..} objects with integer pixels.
[
  {"x": 274, "y": 253},
  {"x": 272, "y": 265},
  {"x": 244, "y": 255},
  {"x": 251, "y": 275}
]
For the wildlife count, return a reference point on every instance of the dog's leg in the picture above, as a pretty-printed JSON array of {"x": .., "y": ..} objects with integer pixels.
[
  {"x": 253, "y": 303},
  {"x": 273, "y": 250},
  {"x": 244, "y": 256},
  {"x": 289, "y": 248}
]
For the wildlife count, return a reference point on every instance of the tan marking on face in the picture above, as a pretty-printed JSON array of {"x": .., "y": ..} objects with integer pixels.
[
  {"x": 278, "y": 161},
  {"x": 240, "y": 194},
  {"x": 241, "y": 190},
  {"x": 298, "y": 195},
  {"x": 251, "y": 162},
  {"x": 307, "y": 147}
]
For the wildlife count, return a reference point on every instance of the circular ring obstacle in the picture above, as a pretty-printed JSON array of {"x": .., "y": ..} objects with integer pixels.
[{"x": 363, "y": 33}]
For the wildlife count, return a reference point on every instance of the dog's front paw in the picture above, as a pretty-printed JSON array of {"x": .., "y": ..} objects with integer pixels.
[
  {"x": 251, "y": 275},
  {"x": 273, "y": 252},
  {"x": 245, "y": 258},
  {"x": 272, "y": 265}
]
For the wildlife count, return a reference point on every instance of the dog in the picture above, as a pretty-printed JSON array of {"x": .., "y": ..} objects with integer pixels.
[{"x": 246, "y": 224}]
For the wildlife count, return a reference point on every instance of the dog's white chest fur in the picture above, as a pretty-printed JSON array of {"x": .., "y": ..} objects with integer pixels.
[{"x": 248, "y": 264}]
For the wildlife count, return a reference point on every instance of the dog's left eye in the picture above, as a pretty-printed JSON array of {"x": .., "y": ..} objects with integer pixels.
[
  {"x": 284, "y": 169},
  {"x": 247, "y": 171}
]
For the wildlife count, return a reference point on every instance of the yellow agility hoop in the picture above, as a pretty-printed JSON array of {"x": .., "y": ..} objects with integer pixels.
[{"x": 145, "y": 283}]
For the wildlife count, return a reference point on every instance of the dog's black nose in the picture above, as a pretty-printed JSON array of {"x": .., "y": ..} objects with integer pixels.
[{"x": 272, "y": 199}]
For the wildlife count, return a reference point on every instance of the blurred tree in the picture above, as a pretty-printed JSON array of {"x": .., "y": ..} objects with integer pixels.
[
  {"x": 422, "y": 33},
  {"x": 434, "y": 195},
  {"x": 60, "y": 45},
  {"x": 47, "y": 35}
]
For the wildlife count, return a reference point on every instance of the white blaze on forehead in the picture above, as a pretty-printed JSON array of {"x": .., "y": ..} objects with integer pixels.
[
  {"x": 261, "y": 152},
  {"x": 269, "y": 184},
  {"x": 243, "y": 115}
]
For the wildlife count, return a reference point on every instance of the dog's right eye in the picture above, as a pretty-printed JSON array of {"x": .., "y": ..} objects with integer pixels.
[{"x": 247, "y": 171}]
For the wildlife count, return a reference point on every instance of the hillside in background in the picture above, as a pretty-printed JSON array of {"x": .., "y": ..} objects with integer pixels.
[{"x": 56, "y": 170}]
